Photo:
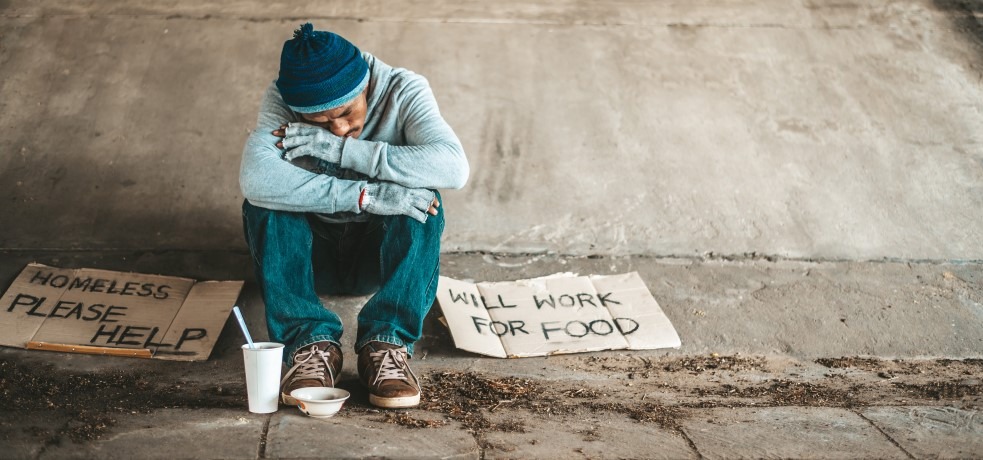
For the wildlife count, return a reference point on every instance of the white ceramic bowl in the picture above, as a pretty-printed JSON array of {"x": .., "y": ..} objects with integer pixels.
[{"x": 320, "y": 402}]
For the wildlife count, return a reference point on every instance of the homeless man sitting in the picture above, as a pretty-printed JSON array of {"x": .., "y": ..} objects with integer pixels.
[{"x": 340, "y": 178}]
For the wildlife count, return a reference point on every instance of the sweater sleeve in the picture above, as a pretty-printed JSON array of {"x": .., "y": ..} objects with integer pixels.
[
  {"x": 433, "y": 157},
  {"x": 269, "y": 181}
]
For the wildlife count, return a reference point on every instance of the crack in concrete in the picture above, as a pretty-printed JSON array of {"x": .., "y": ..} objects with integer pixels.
[
  {"x": 264, "y": 437},
  {"x": 889, "y": 438},
  {"x": 477, "y": 443},
  {"x": 54, "y": 439},
  {"x": 692, "y": 445}
]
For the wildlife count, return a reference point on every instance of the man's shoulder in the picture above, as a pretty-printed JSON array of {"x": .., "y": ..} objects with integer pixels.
[
  {"x": 407, "y": 85},
  {"x": 399, "y": 81}
]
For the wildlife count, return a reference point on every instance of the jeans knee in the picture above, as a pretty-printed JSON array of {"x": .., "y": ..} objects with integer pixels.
[
  {"x": 430, "y": 230},
  {"x": 253, "y": 213},
  {"x": 262, "y": 224}
]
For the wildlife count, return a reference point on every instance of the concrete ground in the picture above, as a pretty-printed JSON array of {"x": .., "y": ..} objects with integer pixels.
[{"x": 799, "y": 184}]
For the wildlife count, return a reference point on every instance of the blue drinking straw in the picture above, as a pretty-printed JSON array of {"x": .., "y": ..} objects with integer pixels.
[{"x": 242, "y": 325}]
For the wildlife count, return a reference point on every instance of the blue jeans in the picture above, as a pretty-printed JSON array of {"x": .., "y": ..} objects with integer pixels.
[{"x": 296, "y": 257}]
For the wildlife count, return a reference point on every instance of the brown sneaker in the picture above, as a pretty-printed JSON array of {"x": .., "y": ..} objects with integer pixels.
[
  {"x": 382, "y": 368},
  {"x": 317, "y": 365}
]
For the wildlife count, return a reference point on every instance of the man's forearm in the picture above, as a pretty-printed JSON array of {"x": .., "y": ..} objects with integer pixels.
[
  {"x": 269, "y": 181},
  {"x": 438, "y": 165}
]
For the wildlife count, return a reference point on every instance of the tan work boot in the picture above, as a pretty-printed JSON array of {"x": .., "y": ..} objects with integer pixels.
[
  {"x": 317, "y": 365},
  {"x": 382, "y": 368}
]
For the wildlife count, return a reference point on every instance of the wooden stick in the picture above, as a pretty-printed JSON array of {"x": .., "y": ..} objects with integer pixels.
[{"x": 90, "y": 350}]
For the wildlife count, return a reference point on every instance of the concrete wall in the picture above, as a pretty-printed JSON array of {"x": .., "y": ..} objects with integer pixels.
[{"x": 806, "y": 129}]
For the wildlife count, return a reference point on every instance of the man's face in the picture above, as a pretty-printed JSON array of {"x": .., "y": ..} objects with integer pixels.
[{"x": 345, "y": 121}]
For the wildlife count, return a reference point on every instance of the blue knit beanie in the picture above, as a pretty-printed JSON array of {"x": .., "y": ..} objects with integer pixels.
[{"x": 320, "y": 71}]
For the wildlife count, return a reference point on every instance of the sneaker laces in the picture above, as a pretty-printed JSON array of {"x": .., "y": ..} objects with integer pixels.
[
  {"x": 311, "y": 365},
  {"x": 393, "y": 365}
]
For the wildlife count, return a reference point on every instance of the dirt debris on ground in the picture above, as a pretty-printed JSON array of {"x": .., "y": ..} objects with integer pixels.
[
  {"x": 465, "y": 396},
  {"x": 93, "y": 401},
  {"x": 784, "y": 393},
  {"x": 633, "y": 366},
  {"x": 404, "y": 419},
  {"x": 891, "y": 367},
  {"x": 942, "y": 390},
  {"x": 713, "y": 362}
]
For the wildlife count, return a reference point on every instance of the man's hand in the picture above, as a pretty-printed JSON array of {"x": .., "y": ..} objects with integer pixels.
[
  {"x": 301, "y": 139},
  {"x": 389, "y": 199}
]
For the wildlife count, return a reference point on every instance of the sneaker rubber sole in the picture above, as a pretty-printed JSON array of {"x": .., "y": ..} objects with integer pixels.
[
  {"x": 288, "y": 400},
  {"x": 394, "y": 403}
]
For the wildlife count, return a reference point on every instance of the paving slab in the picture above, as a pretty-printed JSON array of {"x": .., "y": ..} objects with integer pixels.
[
  {"x": 787, "y": 432},
  {"x": 932, "y": 432},
  {"x": 292, "y": 435},
  {"x": 172, "y": 433},
  {"x": 613, "y": 436}
]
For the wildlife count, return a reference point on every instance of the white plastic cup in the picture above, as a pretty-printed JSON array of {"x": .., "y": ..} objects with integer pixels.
[{"x": 263, "y": 376}]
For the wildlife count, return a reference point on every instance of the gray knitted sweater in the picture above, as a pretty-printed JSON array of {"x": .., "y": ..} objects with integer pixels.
[{"x": 405, "y": 140}]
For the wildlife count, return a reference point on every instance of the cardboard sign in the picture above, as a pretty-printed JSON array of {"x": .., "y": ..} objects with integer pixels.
[
  {"x": 555, "y": 314},
  {"x": 114, "y": 313}
]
